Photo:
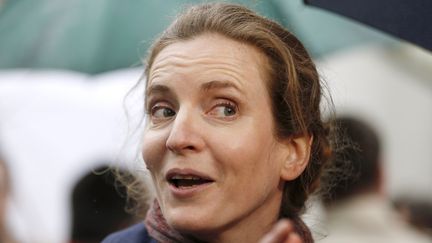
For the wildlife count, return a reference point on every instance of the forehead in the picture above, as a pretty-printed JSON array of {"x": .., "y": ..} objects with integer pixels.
[{"x": 210, "y": 52}]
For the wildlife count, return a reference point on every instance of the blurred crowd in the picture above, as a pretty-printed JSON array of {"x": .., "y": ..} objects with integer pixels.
[{"x": 357, "y": 207}]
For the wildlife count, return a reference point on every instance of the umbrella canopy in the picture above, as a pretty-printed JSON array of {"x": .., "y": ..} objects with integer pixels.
[
  {"x": 408, "y": 20},
  {"x": 87, "y": 36}
]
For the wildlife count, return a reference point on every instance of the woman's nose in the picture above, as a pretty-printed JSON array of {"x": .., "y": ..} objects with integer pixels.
[{"x": 186, "y": 132}]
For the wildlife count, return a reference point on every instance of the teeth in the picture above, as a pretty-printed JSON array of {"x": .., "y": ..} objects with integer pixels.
[{"x": 185, "y": 177}]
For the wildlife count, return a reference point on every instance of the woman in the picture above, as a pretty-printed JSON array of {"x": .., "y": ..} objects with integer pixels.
[{"x": 234, "y": 139}]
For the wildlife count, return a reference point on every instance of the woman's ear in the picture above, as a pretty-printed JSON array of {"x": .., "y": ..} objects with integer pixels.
[{"x": 297, "y": 158}]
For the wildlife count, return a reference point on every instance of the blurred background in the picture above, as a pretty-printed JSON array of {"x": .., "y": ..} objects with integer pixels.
[{"x": 66, "y": 66}]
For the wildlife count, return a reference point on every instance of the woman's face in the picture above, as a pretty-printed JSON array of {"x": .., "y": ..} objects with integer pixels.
[{"x": 209, "y": 142}]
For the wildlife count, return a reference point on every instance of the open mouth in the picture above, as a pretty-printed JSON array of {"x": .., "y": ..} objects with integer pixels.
[{"x": 187, "y": 181}]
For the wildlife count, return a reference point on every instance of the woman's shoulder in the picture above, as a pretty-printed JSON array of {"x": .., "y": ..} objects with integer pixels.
[{"x": 134, "y": 234}]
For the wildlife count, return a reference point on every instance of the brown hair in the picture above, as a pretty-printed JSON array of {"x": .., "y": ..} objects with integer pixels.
[
  {"x": 294, "y": 85},
  {"x": 359, "y": 158}
]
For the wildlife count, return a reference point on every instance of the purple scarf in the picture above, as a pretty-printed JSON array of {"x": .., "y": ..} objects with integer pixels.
[{"x": 158, "y": 228}]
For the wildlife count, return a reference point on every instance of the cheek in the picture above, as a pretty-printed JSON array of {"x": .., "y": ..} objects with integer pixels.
[
  {"x": 153, "y": 149},
  {"x": 255, "y": 156},
  {"x": 252, "y": 177},
  {"x": 249, "y": 157}
]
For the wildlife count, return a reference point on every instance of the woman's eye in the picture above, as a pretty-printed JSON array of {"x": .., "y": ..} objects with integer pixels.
[
  {"x": 224, "y": 110},
  {"x": 160, "y": 112}
]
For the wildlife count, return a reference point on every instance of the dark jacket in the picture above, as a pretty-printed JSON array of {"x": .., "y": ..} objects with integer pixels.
[{"x": 134, "y": 234}]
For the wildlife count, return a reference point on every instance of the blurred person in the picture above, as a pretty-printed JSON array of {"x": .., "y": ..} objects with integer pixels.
[
  {"x": 357, "y": 207},
  {"x": 234, "y": 139},
  {"x": 98, "y": 206},
  {"x": 5, "y": 235},
  {"x": 417, "y": 212}
]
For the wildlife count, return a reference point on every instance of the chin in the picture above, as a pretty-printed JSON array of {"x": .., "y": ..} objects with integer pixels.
[{"x": 191, "y": 221}]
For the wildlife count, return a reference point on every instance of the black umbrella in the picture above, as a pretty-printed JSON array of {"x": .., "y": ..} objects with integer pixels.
[{"x": 407, "y": 19}]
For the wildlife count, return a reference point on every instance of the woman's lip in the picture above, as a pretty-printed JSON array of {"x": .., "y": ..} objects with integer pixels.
[
  {"x": 187, "y": 172},
  {"x": 187, "y": 191}
]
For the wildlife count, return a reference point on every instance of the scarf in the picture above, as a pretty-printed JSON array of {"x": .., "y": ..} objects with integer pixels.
[{"x": 158, "y": 228}]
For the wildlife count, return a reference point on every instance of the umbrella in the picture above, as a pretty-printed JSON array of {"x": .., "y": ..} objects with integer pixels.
[
  {"x": 409, "y": 20},
  {"x": 86, "y": 36}
]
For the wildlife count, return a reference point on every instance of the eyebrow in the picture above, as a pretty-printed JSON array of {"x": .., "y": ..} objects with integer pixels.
[
  {"x": 157, "y": 88},
  {"x": 216, "y": 84},
  {"x": 206, "y": 87}
]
